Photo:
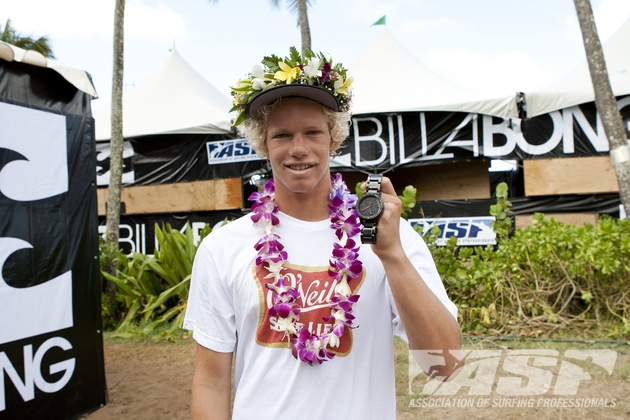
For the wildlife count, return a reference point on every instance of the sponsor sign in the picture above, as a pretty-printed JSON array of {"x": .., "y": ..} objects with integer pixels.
[
  {"x": 230, "y": 151},
  {"x": 383, "y": 141},
  {"x": 51, "y": 355},
  {"x": 467, "y": 230}
]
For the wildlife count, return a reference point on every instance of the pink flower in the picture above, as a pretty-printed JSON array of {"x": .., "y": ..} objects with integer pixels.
[{"x": 310, "y": 348}]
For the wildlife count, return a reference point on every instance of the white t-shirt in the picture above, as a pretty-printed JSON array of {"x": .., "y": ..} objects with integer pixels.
[{"x": 228, "y": 312}]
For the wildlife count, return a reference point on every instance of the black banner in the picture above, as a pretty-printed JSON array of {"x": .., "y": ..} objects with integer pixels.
[
  {"x": 51, "y": 349},
  {"x": 376, "y": 142},
  {"x": 171, "y": 158},
  {"x": 137, "y": 233},
  {"x": 386, "y": 141}
]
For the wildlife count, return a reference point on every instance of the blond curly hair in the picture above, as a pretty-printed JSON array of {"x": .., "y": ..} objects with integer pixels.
[{"x": 256, "y": 128}]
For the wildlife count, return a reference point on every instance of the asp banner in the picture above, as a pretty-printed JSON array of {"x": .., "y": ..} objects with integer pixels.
[
  {"x": 171, "y": 158},
  {"x": 51, "y": 349}
]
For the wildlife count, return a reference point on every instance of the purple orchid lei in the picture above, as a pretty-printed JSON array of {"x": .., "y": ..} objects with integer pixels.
[{"x": 344, "y": 267}]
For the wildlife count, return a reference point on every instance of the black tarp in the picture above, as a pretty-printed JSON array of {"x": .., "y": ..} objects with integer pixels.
[
  {"x": 51, "y": 348},
  {"x": 378, "y": 142}
]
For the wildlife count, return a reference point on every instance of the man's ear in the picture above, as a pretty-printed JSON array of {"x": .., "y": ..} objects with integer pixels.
[{"x": 332, "y": 147}]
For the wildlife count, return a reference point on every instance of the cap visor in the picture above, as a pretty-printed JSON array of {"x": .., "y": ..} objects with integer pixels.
[{"x": 314, "y": 93}]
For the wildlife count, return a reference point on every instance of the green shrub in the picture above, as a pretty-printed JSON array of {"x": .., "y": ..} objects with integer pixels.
[
  {"x": 549, "y": 277},
  {"x": 154, "y": 289}
]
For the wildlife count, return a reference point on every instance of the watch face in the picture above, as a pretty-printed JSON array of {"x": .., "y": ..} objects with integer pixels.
[{"x": 369, "y": 206}]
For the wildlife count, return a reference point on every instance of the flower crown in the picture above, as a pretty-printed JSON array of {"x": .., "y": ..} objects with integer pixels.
[{"x": 311, "y": 69}]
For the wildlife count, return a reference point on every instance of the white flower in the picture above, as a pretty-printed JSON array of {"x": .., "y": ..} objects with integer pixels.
[
  {"x": 312, "y": 68},
  {"x": 333, "y": 340},
  {"x": 257, "y": 71},
  {"x": 258, "y": 83},
  {"x": 286, "y": 324},
  {"x": 343, "y": 288}
]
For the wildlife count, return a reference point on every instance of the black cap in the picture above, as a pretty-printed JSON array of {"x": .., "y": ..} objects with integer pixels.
[{"x": 314, "y": 93}]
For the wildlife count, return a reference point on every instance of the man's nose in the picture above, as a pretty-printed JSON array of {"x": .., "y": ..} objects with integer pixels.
[{"x": 299, "y": 145}]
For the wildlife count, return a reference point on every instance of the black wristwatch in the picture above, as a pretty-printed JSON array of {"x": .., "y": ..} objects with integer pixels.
[{"x": 369, "y": 208}]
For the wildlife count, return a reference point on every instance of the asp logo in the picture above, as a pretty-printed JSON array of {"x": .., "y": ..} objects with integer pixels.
[
  {"x": 522, "y": 372},
  {"x": 230, "y": 151},
  {"x": 467, "y": 230}
]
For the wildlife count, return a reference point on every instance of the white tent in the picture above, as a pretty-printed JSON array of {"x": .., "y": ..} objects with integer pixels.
[
  {"x": 577, "y": 88},
  {"x": 174, "y": 99},
  {"x": 389, "y": 79}
]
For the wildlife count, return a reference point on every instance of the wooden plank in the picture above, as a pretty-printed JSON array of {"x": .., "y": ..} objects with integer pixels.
[
  {"x": 203, "y": 197},
  {"x": 446, "y": 181},
  {"x": 101, "y": 199},
  {"x": 577, "y": 219},
  {"x": 584, "y": 175},
  {"x": 220, "y": 194},
  {"x": 163, "y": 198},
  {"x": 450, "y": 181},
  {"x": 228, "y": 194}
]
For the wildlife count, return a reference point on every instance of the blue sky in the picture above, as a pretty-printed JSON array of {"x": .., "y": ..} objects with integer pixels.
[{"x": 487, "y": 45}]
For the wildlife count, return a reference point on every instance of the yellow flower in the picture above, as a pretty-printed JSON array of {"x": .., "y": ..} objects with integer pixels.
[
  {"x": 341, "y": 86},
  {"x": 287, "y": 73}
]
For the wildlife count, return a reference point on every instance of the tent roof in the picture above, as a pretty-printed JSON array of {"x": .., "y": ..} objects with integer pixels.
[
  {"x": 379, "y": 88},
  {"x": 577, "y": 88},
  {"x": 174, "y": 99},
  {"x": 78, "y": 78}
]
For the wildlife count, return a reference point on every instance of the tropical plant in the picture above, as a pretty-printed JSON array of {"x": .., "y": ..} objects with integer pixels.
[
  {"x": 153, "y": 290},
  {"x": 549, "y": 277},
  {"x": 10, "y": 35}
]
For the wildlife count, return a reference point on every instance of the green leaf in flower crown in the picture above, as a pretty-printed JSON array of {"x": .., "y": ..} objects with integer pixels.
[
  {"x": 241, "y": 117},
  {"x": 294, "y": 56},
  {"x": 271, "y": 62}
]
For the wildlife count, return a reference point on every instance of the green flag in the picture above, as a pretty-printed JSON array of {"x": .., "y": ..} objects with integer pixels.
[{"x": 381, "y": 21}]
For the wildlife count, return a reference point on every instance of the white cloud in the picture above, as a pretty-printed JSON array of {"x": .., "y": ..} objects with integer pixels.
[
  {"x": 434, "y": 26},
  {"x": 85, "y": 19},
  {"x": 80, "y": 18},
  {"x": 159, "y": 22},
  {"x": 505, "y": 72},
  {"x": 609, "y": 16}
]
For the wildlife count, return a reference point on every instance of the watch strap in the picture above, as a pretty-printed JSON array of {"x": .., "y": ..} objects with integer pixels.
[
  {"x": 368, "y": 229},
  {"x": 374, "y": 183},
  {"x": 368, "y": 234}
]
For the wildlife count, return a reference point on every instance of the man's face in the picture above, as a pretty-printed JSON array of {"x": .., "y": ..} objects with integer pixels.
[{"x": 299, "y": 145}]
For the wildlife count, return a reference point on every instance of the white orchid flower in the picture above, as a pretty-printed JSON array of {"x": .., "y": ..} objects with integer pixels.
[
  {"x": 258, "y": 83},
  {"x": 312, "y": 68}
]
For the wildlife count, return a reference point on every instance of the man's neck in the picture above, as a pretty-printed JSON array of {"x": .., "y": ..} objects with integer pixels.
[{"x": 307, "y": 207}]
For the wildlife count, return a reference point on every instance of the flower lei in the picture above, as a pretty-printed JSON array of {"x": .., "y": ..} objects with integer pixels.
[
  {"x": 311, "y": 69},
  {"x": 344, "y": 266}
]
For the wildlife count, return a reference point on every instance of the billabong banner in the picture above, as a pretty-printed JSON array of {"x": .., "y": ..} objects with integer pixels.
[
  {"x": 137, "y": 232},
  {"x": 378, "y": 142},
  {"x": 385, "y": 141},
  {"x": 51, "y": 348}
]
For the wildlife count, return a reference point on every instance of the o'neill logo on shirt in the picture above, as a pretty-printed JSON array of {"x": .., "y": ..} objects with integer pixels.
[{"x": 315, "y": 288}]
